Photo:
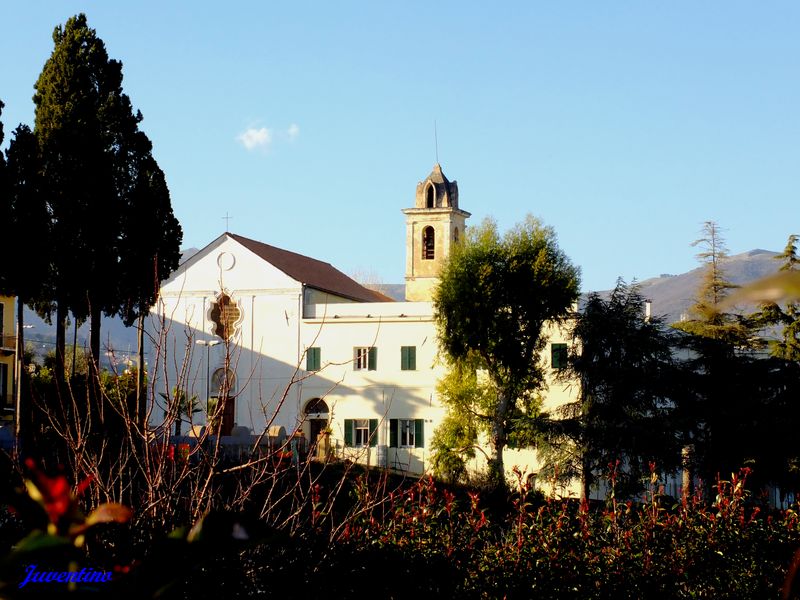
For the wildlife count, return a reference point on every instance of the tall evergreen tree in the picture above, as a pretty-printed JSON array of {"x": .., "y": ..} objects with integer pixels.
[
  {"x": 5, "y": 203},
  {"x": 28, "y": 228},
  {"x": 708, "y": 318},
  {"x": 149, "y": 235},
  {"x": 98, "y": 168},
  {"x": 622, "y": 360},
  {"x": 787, "y": 317},
  {"x": 28, "y": 221},
  {"x": 2, "y": 135},
  {"x": 719, "y": 412}
]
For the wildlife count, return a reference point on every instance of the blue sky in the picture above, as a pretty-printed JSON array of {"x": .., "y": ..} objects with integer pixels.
[{"x": 623, "y": 125}]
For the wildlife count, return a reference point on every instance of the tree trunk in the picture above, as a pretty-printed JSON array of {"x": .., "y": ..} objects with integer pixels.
[
  {"x": 21, "y": 412},
  {"x": 61, "y": 342},
  {"x": 94, "y": 340},
  {"x": 686, "y": 475},
  {"x": 141, "y": 404},
  {"x": 95, "y": 397},
  {"x": 497, "y": 473},
  {"x": 586, "y": 478}
]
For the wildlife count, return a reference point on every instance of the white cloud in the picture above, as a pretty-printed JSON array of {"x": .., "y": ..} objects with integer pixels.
[
  {"x": 255, "y": 138},
  {"x": 293, "y": 131}
]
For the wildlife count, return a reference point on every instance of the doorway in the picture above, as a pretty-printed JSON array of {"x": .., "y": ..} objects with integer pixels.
[{"x": 316, "y": 412}]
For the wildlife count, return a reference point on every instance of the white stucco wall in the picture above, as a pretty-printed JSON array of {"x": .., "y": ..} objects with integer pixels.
[
  {"x": 264, "y": 350},
  {"x": 386, "y": 393}
]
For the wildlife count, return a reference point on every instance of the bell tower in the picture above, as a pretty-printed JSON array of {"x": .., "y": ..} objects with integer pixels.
[{"x": 432, "y": 227}]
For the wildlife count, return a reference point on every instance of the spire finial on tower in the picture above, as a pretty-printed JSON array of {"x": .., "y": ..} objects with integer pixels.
[{"x": 436, "y": 141}]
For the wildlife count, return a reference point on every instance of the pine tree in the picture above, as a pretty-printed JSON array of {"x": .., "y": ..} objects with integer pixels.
[
  {"x": 708, "y": 317},
  {"x": 719, "y": 411},
  {"x": 787, "y": 316},
  {"x": 622, "y": 360}
]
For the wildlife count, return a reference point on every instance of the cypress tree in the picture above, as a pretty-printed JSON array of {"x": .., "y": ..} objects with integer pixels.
[{"x": 110, "y": 207}]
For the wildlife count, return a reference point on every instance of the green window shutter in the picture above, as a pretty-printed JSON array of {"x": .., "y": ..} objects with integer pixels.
[
  {"x": 392, "y": 433},
  {"x": 348, "y": 432},
  {"x": 373, "y": 359},
  {"x": 313, "y": 356},
  {"x": 419, "y": 433},
  {"x": 558, "y": 356},
  {"x": 408, "y": 358},
  {"x": 373, "y": 432}
]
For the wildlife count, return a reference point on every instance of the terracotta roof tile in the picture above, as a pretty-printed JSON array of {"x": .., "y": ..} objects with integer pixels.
[{"x": 313, "y": 273}]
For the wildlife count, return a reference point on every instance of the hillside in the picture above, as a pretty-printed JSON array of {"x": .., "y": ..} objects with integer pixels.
[
  {"x": 672, "y": 295},
  {"x": 117, "y": 340}
]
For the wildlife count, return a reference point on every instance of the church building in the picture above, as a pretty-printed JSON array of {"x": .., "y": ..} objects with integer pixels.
[{"x": 285, "y": 340}]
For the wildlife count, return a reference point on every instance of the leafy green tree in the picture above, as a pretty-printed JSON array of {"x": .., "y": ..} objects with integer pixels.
[
  {"x": 455, "y": 440},
  {"x": 495, "y": 296},
  {"x": 622, "y": 361},
  {"x": 76, "y": 361},
  {"x": 179, "y": 407}
]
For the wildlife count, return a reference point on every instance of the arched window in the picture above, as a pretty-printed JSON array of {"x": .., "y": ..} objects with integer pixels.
[
  {"x": 222, "y": 387},
  {"x": 455, "y": 235},
  {"x": 428, "y": 244},
  {"x": 430, "y": 194},
  {"x": 316, "y": 406}
]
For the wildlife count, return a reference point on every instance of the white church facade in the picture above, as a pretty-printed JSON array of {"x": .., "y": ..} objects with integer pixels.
[{"x": 290, "y": 341}]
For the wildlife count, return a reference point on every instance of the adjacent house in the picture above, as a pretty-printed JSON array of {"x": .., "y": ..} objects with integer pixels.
[{"x": 8, "y": 353}]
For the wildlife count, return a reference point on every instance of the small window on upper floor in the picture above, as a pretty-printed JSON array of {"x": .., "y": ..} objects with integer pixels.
[
  {"x": 558, "y": 356},
  {"x": 455, "y": 235},
  {"x": 428, "y": 243},
  {"x": 313, "y": 359},
  {"x": 408, "y": 358},
  {"x": 365, "y": 359}
]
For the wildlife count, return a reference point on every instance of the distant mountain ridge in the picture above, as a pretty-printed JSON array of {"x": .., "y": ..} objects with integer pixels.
[
  {"x": 117, "y": 342},
  {"x": 671, "y": 296}
]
